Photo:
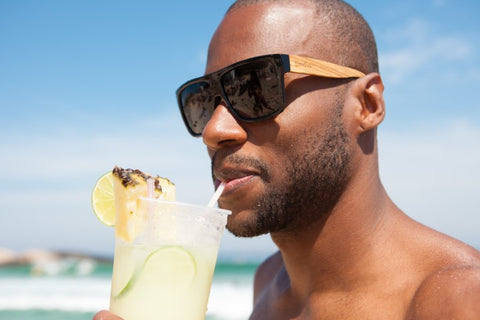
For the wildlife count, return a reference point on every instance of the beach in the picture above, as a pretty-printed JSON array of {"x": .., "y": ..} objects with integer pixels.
[{"x": 75, "y": 287}]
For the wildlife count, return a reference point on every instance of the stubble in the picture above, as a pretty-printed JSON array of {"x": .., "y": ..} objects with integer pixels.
[{"x": 315, "y": 180}]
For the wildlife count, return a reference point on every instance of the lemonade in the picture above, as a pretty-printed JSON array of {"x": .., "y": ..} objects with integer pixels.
[
  {"x": 165, "y": 271},
  {"x": 165, "y": 251},
  {"x": 166, "y": 282}
]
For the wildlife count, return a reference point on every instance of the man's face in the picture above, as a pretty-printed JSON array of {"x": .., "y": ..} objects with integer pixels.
[{"x": 287, "y": 172}]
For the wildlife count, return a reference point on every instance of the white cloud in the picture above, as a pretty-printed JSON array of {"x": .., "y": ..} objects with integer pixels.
[
  {"x": 433, "y": 174},
  {"x": 160, "y": 146},
  {"x": 422, "y": 47}
]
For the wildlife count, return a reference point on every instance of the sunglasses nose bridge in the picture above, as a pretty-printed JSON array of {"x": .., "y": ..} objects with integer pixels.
[
  {"x": 218, "y": 95},
  {"x": 217, "y": 100},
  {"x": 217, "y": 91}
]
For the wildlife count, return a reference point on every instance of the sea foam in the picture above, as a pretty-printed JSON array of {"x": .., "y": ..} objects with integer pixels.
[{"x": 229, "y": 300}]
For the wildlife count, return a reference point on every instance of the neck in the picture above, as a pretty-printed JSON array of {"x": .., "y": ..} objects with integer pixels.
[{"x": 334, "y": 253}]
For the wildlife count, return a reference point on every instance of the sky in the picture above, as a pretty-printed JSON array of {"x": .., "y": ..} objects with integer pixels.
[{"x": 87, "y": 85}]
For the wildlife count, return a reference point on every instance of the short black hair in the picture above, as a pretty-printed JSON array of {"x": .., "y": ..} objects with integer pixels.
[{"x": 351, "y": 33}]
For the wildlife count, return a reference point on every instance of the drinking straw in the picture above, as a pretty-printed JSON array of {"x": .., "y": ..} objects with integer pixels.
[
  {"x": 150, "y": 207},
  {"x": 216, "y": 195},
  {"x": 150, "y": 187}
]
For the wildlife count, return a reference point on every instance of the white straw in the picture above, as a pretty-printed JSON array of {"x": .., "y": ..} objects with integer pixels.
[
  {"x": 150, "y": 187},
  {"x": 216, "y": 195},
  {"x": 150, "y": 208}
]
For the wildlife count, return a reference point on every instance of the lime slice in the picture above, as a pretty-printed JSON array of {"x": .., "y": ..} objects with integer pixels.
[
  {"x": 172, "y": 267},
  {"x": 171, "y": 264},
  {"x": 103, "y": 200},
  {"x": 127, "y": 270}
]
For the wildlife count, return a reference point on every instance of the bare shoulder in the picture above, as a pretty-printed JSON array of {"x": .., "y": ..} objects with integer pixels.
[
  {"x": 449, "y": 285},
  {"x": 266, "y": 272},
  {"x": 451, "y": 293}
]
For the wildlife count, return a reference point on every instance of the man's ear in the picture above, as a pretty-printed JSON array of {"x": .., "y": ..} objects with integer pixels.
[{"x": 369, "y": 104}]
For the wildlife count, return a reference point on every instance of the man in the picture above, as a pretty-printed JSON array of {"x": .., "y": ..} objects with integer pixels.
[{"x": 305, "y": 170}]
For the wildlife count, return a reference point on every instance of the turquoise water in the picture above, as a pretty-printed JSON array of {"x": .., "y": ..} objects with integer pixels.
[
  {"x": 56, "y": 315},
  {"x": 76, "y": 289},
  {"x": 44, "y": 315}
]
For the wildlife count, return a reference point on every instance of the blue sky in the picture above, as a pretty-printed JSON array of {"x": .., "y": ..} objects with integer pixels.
[{"x": 86, "y": 85}]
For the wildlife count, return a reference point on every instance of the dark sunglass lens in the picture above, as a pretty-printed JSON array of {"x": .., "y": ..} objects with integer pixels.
[
  {"x": 197, "y": 105},
  {"x": 254, "y": 90}
]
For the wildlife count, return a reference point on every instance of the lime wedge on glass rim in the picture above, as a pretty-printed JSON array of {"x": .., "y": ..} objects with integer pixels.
[
  {"x": 103, "y": 200},
  {"x": 168, "y": 266}
]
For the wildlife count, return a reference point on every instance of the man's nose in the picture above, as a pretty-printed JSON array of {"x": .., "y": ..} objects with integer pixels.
[{"x": 223, "y": 129}]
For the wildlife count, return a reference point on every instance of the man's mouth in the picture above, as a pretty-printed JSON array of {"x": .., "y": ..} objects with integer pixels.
[
  {"x": 233, "y": 178},
  {"x": 237, "y": 172}
]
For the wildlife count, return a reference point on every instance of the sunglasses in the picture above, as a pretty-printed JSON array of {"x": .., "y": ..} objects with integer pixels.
[{"x": 252, "y": 89}]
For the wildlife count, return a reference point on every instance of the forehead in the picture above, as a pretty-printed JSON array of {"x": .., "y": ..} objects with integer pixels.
[{"x": 264, "y": 28}]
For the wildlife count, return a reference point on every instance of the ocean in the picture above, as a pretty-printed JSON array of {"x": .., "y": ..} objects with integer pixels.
[{"x": 74, "y": 289}]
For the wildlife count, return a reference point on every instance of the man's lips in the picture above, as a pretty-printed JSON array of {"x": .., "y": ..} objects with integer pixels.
[
  {"x": 233, "y": 179},
  {"x": 238, "y": 172}
]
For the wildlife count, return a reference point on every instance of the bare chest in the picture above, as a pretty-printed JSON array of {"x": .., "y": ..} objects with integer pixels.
[{"x": 367, "y": 305}]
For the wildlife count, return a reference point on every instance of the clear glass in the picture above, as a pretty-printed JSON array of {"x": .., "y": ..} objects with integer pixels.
[{"x": 166, "y": 271}]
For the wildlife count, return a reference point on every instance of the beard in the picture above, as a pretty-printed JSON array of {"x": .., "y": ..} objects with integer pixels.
[{"x": 314, "y": 181}]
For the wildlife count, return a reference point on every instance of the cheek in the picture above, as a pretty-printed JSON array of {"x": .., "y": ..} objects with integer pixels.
[
  {"x": 306, "y": 112},
  {"x": 281, "y": 146},
  {"x": 281, "y": 154}
]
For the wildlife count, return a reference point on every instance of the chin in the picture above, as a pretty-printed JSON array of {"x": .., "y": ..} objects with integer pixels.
[
  {"x": 244, "y": 223},
  {"x": 239, "y": 222}
]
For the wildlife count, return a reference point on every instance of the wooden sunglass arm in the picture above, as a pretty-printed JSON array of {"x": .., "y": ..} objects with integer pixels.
[{"x": 306, "y": 65}]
